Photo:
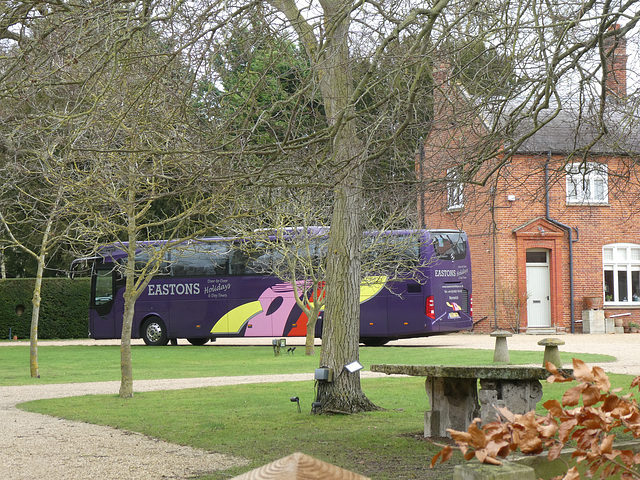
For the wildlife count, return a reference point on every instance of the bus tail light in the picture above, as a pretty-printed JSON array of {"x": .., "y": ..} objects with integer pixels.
[
  {"x": 429, "y": 308},
  {"x": 471, "y": 305}
]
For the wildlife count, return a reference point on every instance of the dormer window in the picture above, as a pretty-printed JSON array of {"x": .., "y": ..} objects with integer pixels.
[
  {"x": 455, "y": 190},
  {"x": 587, "y": 183}
]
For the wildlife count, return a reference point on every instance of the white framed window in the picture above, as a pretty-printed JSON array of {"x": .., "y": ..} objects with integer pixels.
[
  {"x": 455, "y": 190},
  {"x": 587, "y": 183},
  {"x": 621, "y": 264}
]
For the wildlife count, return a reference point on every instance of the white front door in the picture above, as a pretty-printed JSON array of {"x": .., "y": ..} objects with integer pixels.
[{"x": 538, "y": 291}]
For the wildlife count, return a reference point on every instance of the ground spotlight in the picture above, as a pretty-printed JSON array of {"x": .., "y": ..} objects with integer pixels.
[{"x": 297, "y": 400}]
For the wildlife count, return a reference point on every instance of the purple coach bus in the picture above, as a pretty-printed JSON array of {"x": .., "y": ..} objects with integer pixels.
[{"x": 215, "y": 288}]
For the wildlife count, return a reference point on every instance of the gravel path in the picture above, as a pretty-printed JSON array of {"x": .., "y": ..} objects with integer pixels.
[{"x": 37, "y": 446}]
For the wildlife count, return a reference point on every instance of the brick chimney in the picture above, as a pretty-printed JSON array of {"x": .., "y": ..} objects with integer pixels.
[{"x": 615, "y": 50}]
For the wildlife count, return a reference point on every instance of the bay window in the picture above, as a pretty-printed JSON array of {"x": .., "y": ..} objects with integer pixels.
[{"x": 621, "y": 263}]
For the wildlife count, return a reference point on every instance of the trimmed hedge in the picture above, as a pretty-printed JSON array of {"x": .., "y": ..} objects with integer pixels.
[{"x": 64, "y": 310}]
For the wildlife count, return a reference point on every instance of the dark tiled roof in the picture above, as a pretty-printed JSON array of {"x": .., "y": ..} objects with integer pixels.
[{"x": 617, "y": 134}]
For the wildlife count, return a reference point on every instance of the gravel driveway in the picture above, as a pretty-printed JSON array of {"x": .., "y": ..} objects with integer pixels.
[
  {"x": 34, "y": 446},
  {"x": 37, "y": 446}
]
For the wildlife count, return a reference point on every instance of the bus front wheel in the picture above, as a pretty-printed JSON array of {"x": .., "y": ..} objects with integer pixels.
[
  {"x": 197, "y": 341},
  {"x": 154, "y": 332}
]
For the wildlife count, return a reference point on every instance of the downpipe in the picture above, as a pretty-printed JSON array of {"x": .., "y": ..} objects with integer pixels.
[{"x": 571, "y": 239}]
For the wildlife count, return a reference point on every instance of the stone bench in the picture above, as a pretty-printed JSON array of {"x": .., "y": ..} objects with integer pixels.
[{"x": 456, "y": 401}]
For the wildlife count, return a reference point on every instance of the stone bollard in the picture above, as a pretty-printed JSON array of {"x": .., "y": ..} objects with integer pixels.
[
  {"x": 551, "y": 352},
  {"x": 501, "y": 352}
]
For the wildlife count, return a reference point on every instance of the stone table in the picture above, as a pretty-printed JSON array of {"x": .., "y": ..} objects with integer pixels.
[{"x": 456, "y": 401}]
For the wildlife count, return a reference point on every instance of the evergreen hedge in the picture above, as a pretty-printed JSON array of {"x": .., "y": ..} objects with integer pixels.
[{"x": 64, "y": 310}]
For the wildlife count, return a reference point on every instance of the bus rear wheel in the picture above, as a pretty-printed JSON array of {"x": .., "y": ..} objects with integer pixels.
[
  {"x": 154, "y": 332},
  {"x": 197, "y": 341}
]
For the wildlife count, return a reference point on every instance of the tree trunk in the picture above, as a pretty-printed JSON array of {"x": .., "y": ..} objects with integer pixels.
[
  {"x": 312, "y": 319},
  {"x": 340, "y": 334},
  {"x": 126, "y": 366},
  {"x": 37, "y": 289},
  {"x": 35, "y": 316},
  {"x": 309, "y": 345},
  {"x": 130, "y": 296},
  {"x": 341, "y": 329}
]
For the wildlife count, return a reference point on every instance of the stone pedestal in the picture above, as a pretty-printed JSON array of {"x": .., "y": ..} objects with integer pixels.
[
  {"x": 501, "y": 352},
  {"x": 593, "y": 321},
  {"x": 454, "y": 404},
  {"x": 551, "y": 352},
  {"x": 482, "y": 471},
  {"x": 519, "y": 396}
]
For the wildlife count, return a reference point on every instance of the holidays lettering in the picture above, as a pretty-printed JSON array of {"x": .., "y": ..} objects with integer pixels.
[
  {"x": 217, "y": 288},
  {"x": 220, "y": 287},
  {"x": 463, "y": 271},
  {"x": 174, "y": 289}
]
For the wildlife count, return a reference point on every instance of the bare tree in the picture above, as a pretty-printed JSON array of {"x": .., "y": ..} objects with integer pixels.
[
  {"x": 116, "y": 96},
  {"x": 291, "y": 242},
  {"x": 143, "y": 178},
  {"x": 373, "y": 76},
  {"x": 377, "y": 70},
  {"x": 42, "y": 210},
  {"x": 34, "y": 208}
]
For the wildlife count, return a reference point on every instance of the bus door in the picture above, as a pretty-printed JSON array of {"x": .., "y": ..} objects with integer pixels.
[{"x": 102, "y": 317}]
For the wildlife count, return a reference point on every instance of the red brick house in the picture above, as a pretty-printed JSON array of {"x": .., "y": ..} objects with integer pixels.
[{"x": 554, "y": 230}]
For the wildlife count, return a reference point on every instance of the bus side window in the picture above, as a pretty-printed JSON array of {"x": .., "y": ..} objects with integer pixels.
[
  {"x": 104, "y": 287},
  {"x": 260, "y": 264},
  {"x": 149, "y": 258},
  {"x": 219, "y": 258},
  {"x": 238, "y": 262},
  {"x": 200, "y": 260}
]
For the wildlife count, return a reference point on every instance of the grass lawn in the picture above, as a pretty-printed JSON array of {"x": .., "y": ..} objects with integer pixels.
[
  {"x": 259, "y": 422},
  {"x": 79, "y": 363}
]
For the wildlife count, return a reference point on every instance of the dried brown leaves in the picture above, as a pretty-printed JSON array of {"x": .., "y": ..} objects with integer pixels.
[{"x": 589, "y": 426}]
